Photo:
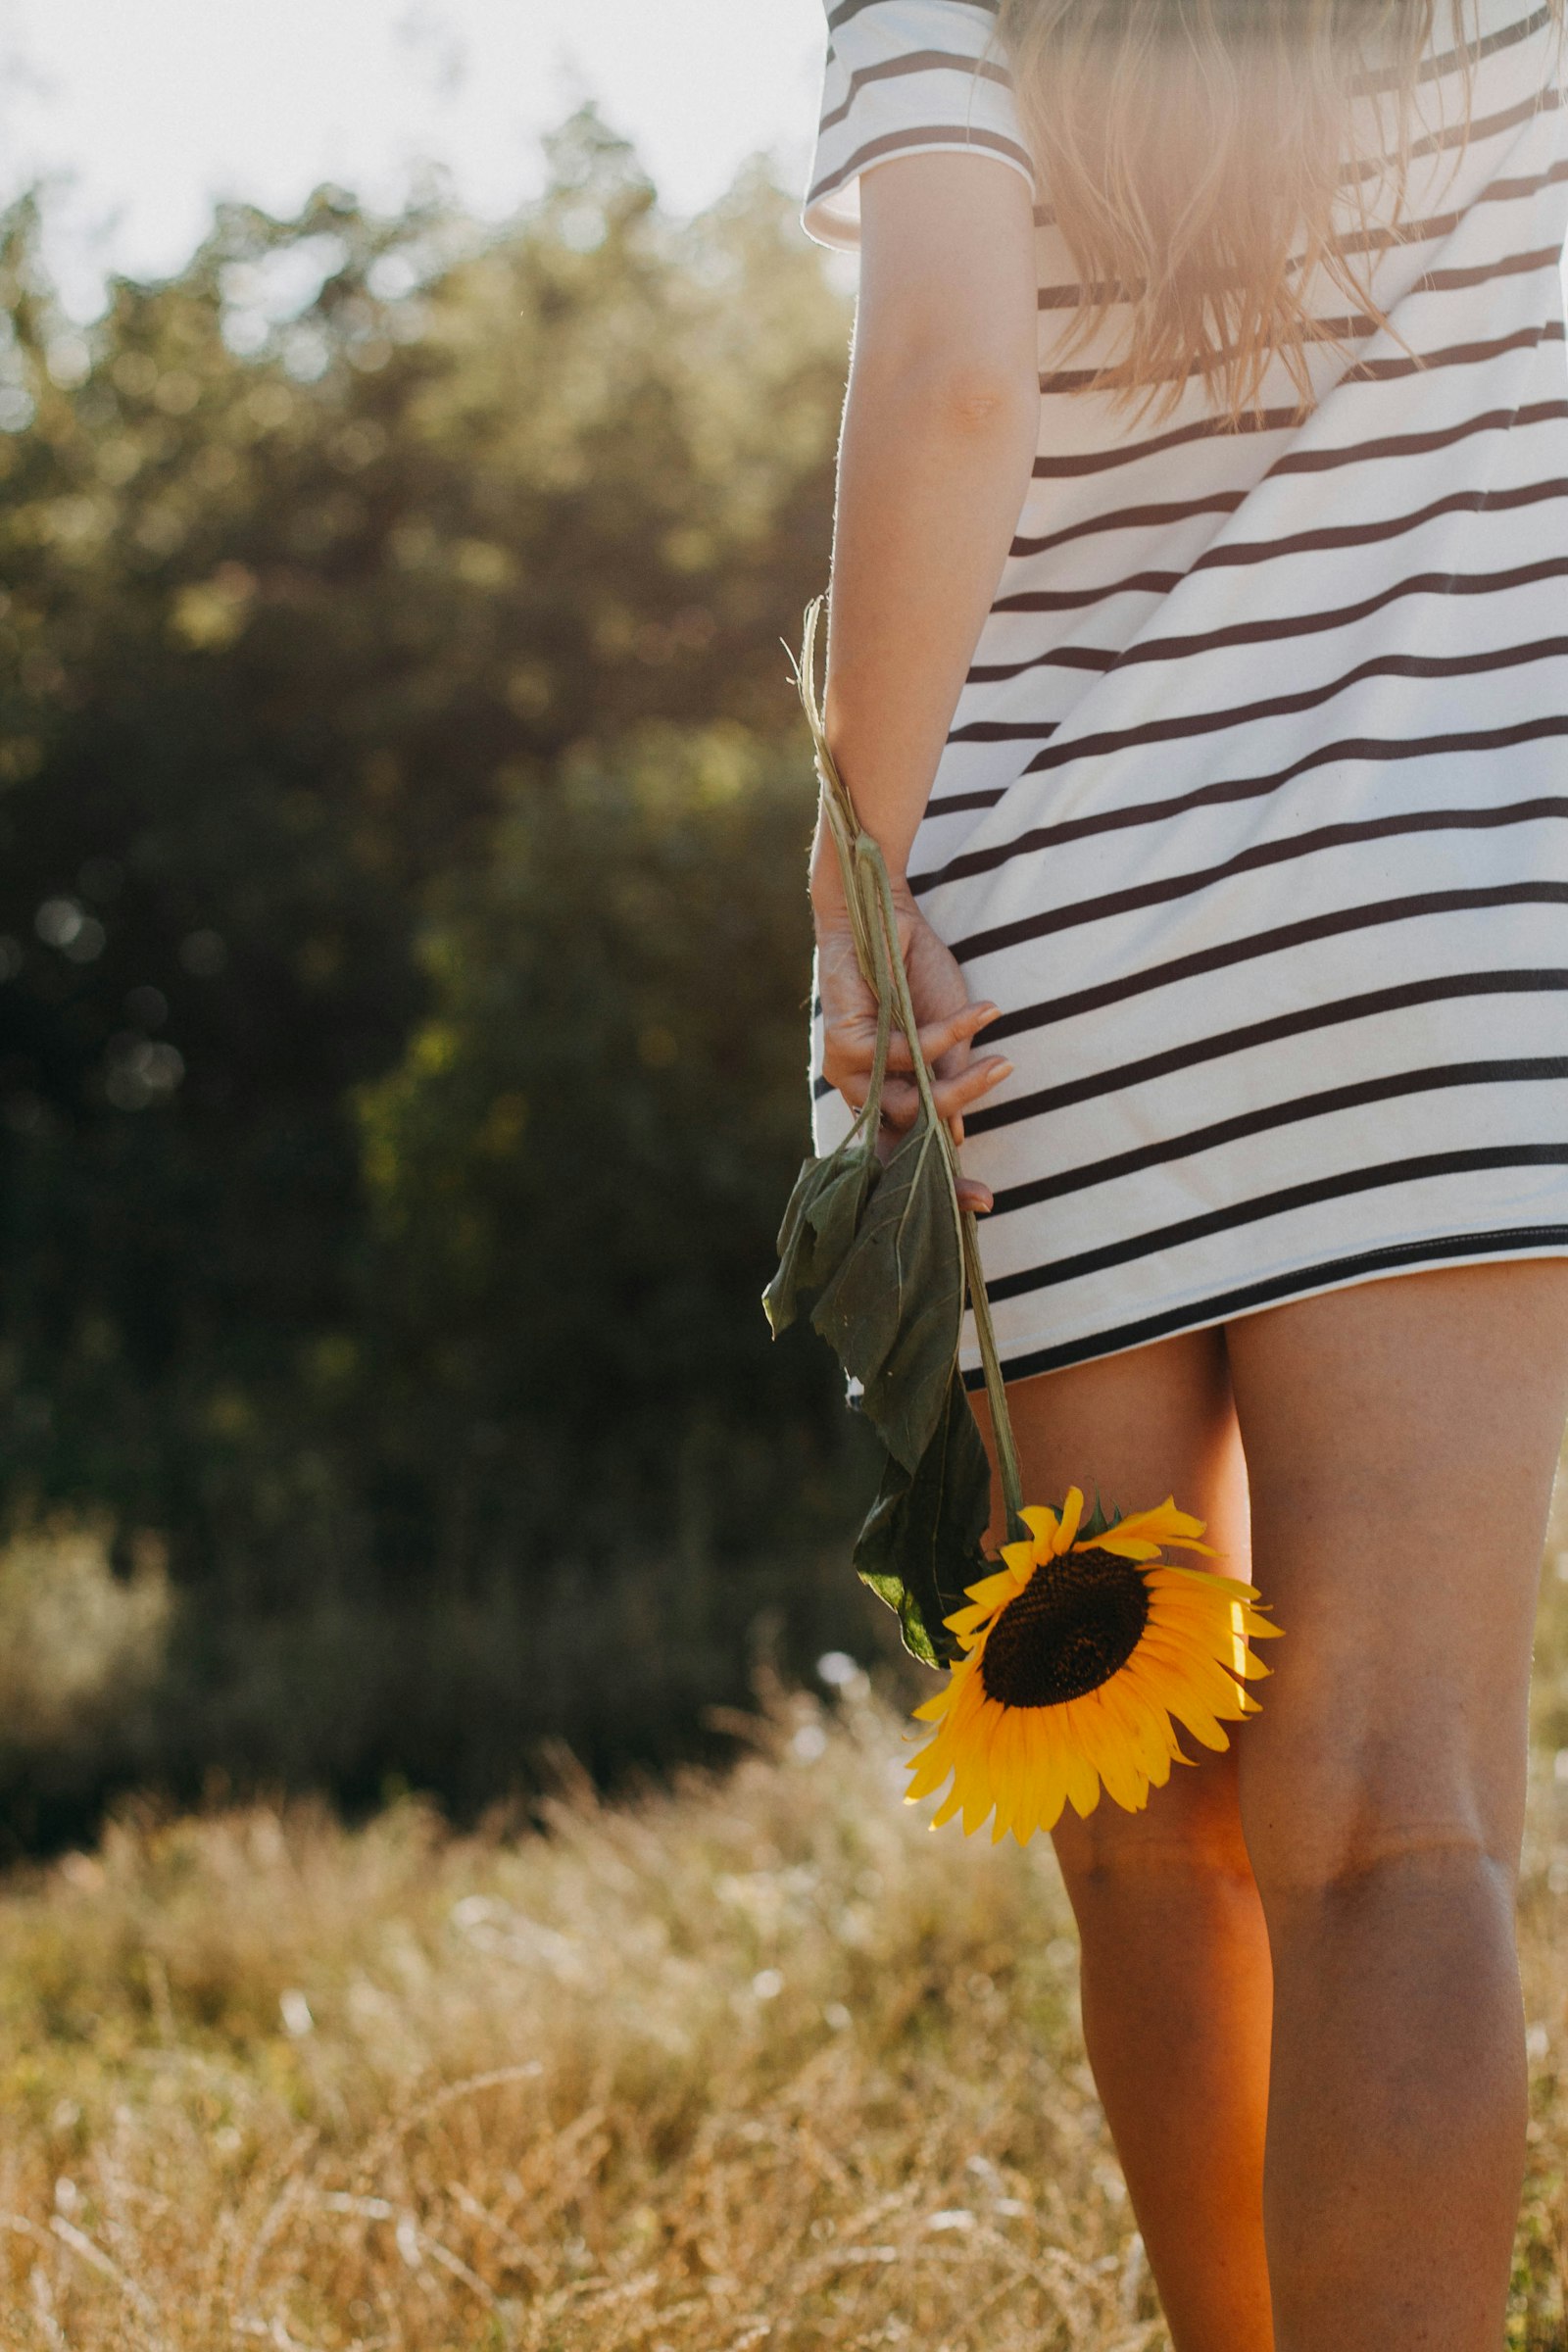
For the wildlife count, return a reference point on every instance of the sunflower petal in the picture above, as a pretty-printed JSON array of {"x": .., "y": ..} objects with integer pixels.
[
  {"x": 1165, "y": 1524},
  {"x": 1107, "y": 1750},
  {"x": 933, "y": 1709},
  {"x": 991, "y": 1590},
  {"x": 1081, "y": 1775}
]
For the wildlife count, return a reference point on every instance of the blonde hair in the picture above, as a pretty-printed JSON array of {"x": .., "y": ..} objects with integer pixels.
[{"x": 1200, "y": 158}]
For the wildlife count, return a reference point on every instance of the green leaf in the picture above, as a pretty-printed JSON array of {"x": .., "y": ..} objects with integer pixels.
[
  {"x": 838, "y": 1203},
  {"x": 818, "y": 1229},
  {"x": 919, "y": 1547},
  {"x": 894, "y": 1308},
  {"x": 1097, "y": 1521}
]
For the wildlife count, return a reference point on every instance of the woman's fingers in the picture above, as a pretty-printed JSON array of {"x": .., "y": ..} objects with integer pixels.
[
  {"x": 901, "y": 1098},
  {"x": 849, "y": 1048},
  {"x": 939, "y": 991},
  {"x": 938, "y": 1038}
]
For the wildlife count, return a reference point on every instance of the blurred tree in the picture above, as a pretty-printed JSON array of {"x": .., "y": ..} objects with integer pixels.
[
  {"x": 575, "y": 1170},
  {"x": 401, "y": 936}
]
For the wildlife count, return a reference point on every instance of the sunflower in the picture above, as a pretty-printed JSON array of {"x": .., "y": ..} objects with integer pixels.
[{"x": 1080, "y": 1652}]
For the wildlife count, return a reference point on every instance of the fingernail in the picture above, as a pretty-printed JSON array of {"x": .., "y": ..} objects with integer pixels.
[{"x": 998, "y": 1071}]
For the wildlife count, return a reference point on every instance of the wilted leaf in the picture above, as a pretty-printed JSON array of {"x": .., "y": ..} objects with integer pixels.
[
  {"x": 919, "y": 1547},
  {"x": 894, "y": 1308},
  {"x": 818, "y": 1228}
]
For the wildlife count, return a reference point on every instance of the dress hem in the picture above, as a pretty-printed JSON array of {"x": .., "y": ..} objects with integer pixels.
[{"x": 1302, "y": 1282}]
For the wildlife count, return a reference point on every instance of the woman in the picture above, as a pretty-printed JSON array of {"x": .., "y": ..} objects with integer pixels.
[{"x": 1198, "y": 656}]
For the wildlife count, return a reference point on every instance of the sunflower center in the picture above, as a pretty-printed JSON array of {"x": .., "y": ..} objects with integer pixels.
[{"x": 1074, "y": 1625}]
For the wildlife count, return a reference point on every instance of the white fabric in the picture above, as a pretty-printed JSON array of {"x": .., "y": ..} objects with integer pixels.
[
  {"x": 1254, "y": 816},
  {"x": 905, "y": 76}
]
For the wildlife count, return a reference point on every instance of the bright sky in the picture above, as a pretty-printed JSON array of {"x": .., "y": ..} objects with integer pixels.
[{"x": 152, "y": 107}]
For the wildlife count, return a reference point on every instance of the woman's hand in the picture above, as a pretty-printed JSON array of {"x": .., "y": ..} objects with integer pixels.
[{"x": 948, "y": 1021}]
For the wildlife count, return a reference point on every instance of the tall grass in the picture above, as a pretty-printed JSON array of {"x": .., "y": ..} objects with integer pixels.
[
  {"x": 112, "y": 1678},
  {"x": 751, "y": 2062}
]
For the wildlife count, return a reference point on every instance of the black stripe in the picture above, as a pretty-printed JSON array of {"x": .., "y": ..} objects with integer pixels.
[
  {"x": 1057, "y": 657},
  {"x": 1281, "y": 1203},
  {"x": 1338, "y": 1012},
  {"x": 1233, "y": 554},
  {"x": 1312, "y": 624},
  {"x": 1390, "y": 444},
  {"x": 1421, "y": 445},
  {"x": 1183, "y": 726},
  {"x": 1064, "y": 383},
  {"x": 1367, "y": 534},
  {"x": 1535, "y": 413},
  {"x": 1110, "y": 294},
  {"x": 1106, "y": 905},
  {"x": 1073, "y": 600},
  {"x": 913, "y": 61},
  {"x": 1130, "y": 519},
  {"x": 1145, "y": 649},
  {"x": 994, "y": 730},
  {"x": 1453, "y": 355},
  {"x": 1102, "y": 294},
  {"x": 1452, "y": 60},
  {"x": 1480, "y": 273},
  {"x": 1207, "y": 428},
  {"x": 1279, "y": 941},
  {"x": 1519, "y": 1241},
  {"x": 1425, "y": 231},
  {"x": 927, "y": 135},
  {"x": 1371, "y": 1004},
  {"x": 1357, "y": 371},
  {"x": 1227, "y": 502},
  {"x": 1324, "y": 1103},
  {"x": 1468, "y": 135}
]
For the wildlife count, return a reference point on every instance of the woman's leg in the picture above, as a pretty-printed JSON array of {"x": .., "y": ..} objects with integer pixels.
[
  {"x": 1400, "y": 1439},
  {"x": 1176, "y": 1988}
]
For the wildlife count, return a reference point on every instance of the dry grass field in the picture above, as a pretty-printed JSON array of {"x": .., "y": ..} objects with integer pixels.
[{"x": 755, "y": 2062}]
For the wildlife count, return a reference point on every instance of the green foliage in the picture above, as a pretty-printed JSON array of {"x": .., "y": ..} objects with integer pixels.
[
  {"x": 570, "y": 1170},
  {"x": 402, "y": 924}
]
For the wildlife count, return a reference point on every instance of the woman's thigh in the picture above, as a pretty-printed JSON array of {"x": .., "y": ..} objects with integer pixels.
[
  {"x": 1400, "y": 1439},
  {"x": 1135, "y": 1427}
]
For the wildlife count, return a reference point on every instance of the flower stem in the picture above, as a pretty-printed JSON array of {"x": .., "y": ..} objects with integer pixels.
[
  {"x": 996, "y": 1386},
  {"x": 870, "y": 892}
]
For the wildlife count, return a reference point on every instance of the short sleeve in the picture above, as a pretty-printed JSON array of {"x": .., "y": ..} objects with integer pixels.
[{"x": 907, "y": 77}]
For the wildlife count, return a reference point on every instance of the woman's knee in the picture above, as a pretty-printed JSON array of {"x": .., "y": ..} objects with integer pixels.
[
  {"x": 1323, "y": 1825},
  {"x": 1189, "y": 1832},
  {"x": 1400, "y": 1439}
]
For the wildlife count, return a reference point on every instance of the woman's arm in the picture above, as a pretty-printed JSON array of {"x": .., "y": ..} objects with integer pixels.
[{"x": 939, "y": 437}]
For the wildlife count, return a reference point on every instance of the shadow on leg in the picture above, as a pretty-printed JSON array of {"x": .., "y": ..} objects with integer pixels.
[{"x": 1176, "y": 1984}]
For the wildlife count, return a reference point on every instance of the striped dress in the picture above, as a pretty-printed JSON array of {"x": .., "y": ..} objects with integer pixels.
[{"x": 1253, "y": 814}]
